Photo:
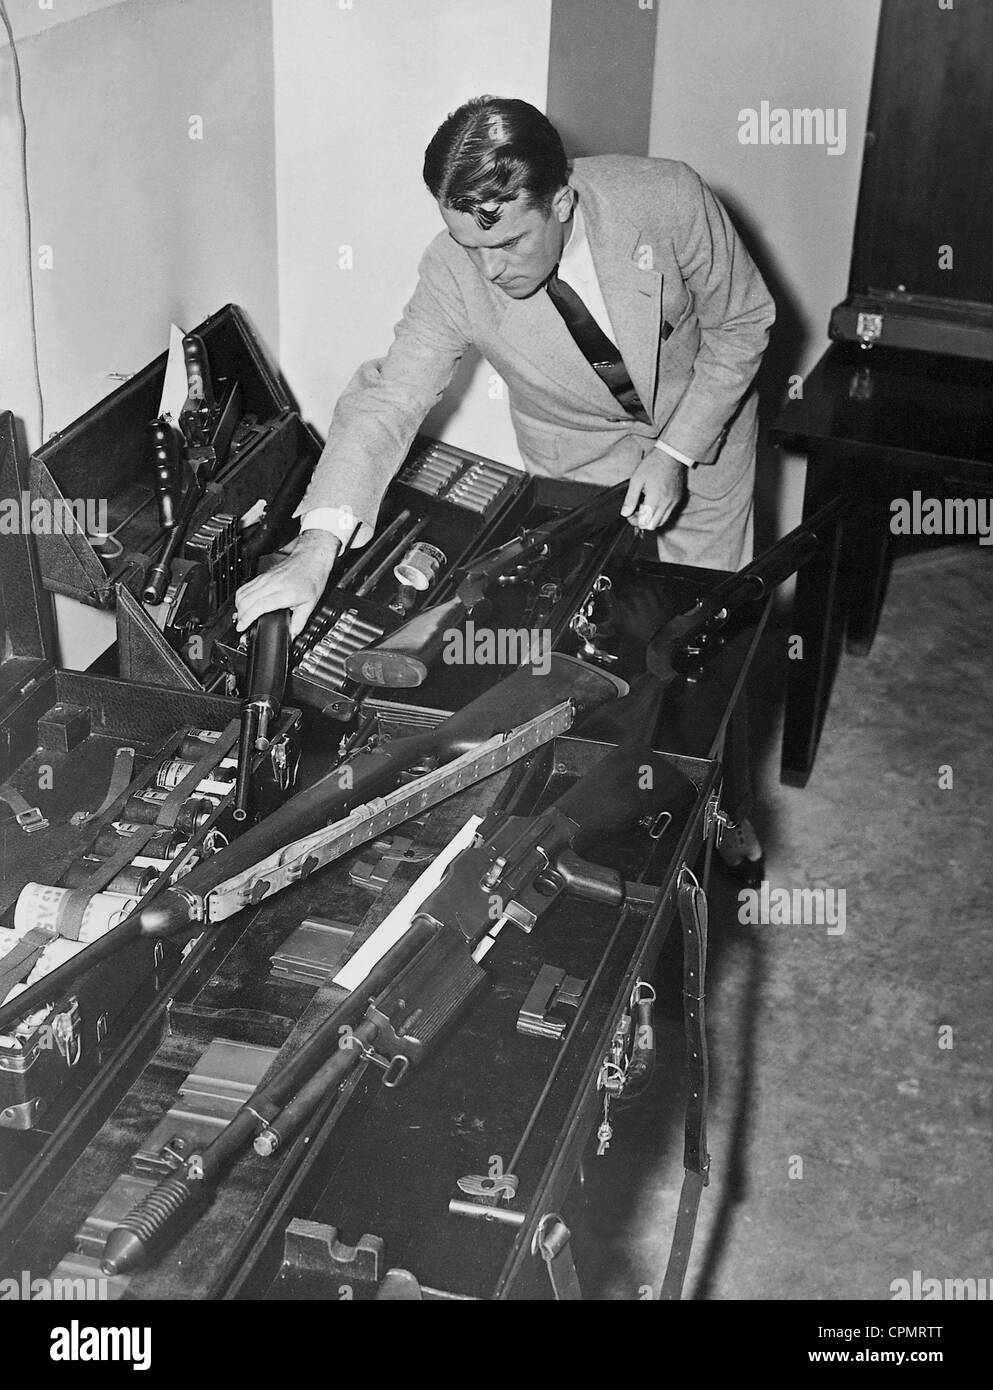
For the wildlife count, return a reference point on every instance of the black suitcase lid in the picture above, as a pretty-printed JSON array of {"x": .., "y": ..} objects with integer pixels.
[
  {"x": 27, "y": 636},
  {"x": 104, "y": 456},
  {"x": 923, "y": 238}
]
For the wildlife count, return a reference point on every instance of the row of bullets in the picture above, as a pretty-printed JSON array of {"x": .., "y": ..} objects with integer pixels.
[
  {"x": 441, "y": 471},
  {"x": 325, "y": 661}
]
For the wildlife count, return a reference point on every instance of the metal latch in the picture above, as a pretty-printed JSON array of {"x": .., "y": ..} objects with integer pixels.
[
  {"x": 67, "y": 1030},
  {"x": 551, "y": 989},
  {"x": 713, "y": 815},
  {"x": 280, "y": 764},
  {"x": 869, "y": 329}
]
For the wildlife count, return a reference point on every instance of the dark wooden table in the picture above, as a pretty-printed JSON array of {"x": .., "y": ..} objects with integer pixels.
[{"x": 875, "y": 425}]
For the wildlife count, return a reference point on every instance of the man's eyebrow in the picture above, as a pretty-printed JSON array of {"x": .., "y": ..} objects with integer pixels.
[{"x": 495, "y": 247}]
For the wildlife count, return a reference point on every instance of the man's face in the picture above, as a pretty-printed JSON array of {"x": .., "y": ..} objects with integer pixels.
[{"x": 521, "y": 250}]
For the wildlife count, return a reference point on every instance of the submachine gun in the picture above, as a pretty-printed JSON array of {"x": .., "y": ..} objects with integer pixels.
[{"x": 515, "y": 870}]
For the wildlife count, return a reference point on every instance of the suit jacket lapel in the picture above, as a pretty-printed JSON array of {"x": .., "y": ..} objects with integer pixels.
[{"x": 633, "y": 294}]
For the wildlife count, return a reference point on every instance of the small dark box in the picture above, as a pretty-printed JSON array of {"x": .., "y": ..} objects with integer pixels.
[{"x": 63, "y": 728}]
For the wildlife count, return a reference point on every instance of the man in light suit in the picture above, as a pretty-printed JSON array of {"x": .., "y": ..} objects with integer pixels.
[{"x": 620, "y": 307}]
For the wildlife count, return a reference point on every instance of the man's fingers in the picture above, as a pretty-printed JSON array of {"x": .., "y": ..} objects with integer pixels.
[
  {"x": 299, "y": 616},
  {"x": 631, "y": 496}
]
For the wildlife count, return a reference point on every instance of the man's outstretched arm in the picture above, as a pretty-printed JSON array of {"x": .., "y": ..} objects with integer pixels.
[{"x": 374, "y": 423}]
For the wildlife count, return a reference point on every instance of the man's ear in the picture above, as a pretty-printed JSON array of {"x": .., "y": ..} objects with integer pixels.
[{"x": 563, "y": 202}]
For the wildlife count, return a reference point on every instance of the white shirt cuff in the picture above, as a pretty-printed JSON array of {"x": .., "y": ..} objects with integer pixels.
[
  {"x": 340, "y": 521},
  {"x": 674, "y": 453}
]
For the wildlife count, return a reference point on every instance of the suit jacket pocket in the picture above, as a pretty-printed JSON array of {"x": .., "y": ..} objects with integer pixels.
[{"x": 541, "y": 447}]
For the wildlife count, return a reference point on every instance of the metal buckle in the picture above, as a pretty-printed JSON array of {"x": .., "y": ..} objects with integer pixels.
[{"x": 31, "y": 819}]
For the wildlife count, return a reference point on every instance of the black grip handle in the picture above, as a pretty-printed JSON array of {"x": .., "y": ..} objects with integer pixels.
[
  {"x": 199, "y": 384},
  {"x": 166, "y": 467}
]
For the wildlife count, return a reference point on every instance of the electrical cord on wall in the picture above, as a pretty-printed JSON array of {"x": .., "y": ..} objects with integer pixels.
[{"x": 19, "y": 99}]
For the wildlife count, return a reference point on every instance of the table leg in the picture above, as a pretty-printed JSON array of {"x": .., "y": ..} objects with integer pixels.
[
  {"x": 867, "y": 553},
  {"x": 818, "y": 621}
]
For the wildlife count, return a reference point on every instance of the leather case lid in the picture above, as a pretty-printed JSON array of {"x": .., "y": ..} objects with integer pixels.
[
  {"x": 26, "y": 631},
  {"x": 104, "y": 456}
]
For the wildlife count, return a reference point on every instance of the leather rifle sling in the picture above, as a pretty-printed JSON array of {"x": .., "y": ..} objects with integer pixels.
[{"x": 696, "y": 1161}]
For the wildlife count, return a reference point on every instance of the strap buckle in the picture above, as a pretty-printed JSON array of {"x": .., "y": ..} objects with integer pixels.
[{"x": 31, "y": 820}]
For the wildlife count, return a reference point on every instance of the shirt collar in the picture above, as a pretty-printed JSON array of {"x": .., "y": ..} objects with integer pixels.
[{"x": 575, "y": 253}]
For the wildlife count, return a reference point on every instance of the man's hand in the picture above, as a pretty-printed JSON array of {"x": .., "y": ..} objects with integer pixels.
[
  {"x": 656, "y": 487},
  {"x": 296, "y": 582}
]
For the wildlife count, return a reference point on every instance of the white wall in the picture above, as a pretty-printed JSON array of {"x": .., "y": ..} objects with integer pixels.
[
  {"x": 796, "y": 204},
  {"x": 360, "y": 89},
  {"x": 145, "y": 224}
]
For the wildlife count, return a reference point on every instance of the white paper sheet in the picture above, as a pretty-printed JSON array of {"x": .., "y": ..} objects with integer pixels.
[{"x": 390, "y": 930}]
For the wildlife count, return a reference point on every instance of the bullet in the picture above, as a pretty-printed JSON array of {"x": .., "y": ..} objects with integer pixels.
[
  {"x": 470, "y": 493},
  {"x": 479, "y": 478},
  {"x": 426, "y": 464},
  {"x": 448, "y": 451}
]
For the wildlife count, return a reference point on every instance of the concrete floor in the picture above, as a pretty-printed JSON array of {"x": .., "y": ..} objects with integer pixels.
[{"x": 825, "y": 1046}]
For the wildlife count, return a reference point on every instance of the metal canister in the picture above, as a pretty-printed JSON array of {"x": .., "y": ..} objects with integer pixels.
[
  {"x": 70, "y": 912},
  {"x": 421, "y": 566},
  {"x": 145, "y": 807}
]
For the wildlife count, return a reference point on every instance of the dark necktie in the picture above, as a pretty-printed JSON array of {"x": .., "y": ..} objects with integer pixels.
[{"x": 602, "y": 355}]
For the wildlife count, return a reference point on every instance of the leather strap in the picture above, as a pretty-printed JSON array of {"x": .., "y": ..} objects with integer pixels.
[
  {"x": 20, "y": 959},
  {"x": 696, "y": 1161},
  {"x": 208, "y": 761},
  {"x": 551, "y": 1242},
  {"x": 28, "y": 817},
  {"x": 602, "y": 354},
  {"x": 120, "y": 777}
]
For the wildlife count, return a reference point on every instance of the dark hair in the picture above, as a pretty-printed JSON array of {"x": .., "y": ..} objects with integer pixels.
[{"x": 491, "y": 149}]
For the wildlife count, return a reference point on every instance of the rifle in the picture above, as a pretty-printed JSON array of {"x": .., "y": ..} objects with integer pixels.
[
  {"x": 288, "y": 845},
  {"x": 689, "y": 638},
  {"x": 404, "y": 657},
  {"x": 397, "y": 1016}
]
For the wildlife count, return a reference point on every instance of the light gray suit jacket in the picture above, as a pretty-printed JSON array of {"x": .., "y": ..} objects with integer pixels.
[{"x": 665, "y": 254}]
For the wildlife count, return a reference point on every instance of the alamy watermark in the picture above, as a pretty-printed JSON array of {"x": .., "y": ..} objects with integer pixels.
[
  {"x": 942, "y": 516},
  {"x": 501, "y": 646},
  {"x": 59, "y": 516},
  {"x": 28, "y": 1288},
  {"x": 921, "y": 1288},
  {"x": 793, "y": 907},
  {"x": 799, "y": 125}
]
